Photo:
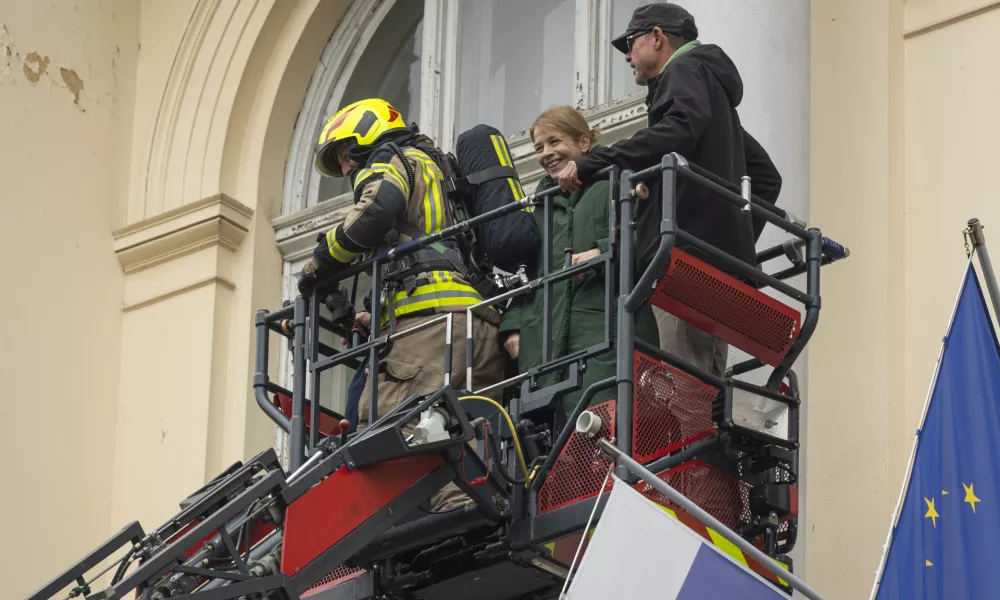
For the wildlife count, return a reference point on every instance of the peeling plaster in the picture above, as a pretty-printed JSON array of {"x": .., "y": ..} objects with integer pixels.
[
  {"x": 73, "y": 82},
  {"x": 41, "y": 62},
  {"x": 6, "y": 53},
  {"x": 35, "y": 66}
]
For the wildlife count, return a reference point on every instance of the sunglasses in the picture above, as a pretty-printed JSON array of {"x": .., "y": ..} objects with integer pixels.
[{"x": 631, "y": 39}]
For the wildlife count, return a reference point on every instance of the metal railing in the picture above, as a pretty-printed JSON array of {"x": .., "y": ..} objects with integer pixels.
[{"x": 624, "y": 295}]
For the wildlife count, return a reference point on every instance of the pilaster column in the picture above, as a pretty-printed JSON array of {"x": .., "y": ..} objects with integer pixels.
[{"x": 177, "y": 318}]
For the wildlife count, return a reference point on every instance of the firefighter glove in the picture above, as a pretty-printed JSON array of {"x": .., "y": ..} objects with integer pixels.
[{"x": 312, "y": 271}]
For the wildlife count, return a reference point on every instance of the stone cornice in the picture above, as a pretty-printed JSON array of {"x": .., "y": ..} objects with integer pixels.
[
  {"x": 216, "y": 220},
  {"x": 296, "y": 233}
]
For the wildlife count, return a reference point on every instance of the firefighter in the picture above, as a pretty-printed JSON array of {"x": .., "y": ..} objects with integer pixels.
[{"x": 399, "y": 196}]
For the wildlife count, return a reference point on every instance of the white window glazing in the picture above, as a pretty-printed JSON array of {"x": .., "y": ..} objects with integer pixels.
[{"x": 515, "y": 60}]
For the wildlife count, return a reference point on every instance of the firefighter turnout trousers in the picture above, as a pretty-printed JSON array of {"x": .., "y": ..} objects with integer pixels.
[{"x": 415, "y": 365}]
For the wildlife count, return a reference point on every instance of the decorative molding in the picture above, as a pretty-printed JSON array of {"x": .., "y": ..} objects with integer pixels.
[
  {"x": 186, "y": 142},
  {"x": 181, "y": 290},
  {"x": 616, "y": 120},
  {"x": 217, "y": 220},
  {"x": 295, "y": 234},
  {"x": 167, "y": 113},
  {"x": 957, "y": 18}
]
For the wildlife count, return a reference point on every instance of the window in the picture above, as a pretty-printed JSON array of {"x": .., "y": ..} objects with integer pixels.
[
  {"x": 622, "y": 82},
  {"x": 515, "y": 60},
  {"x": 384, "y": 71}
]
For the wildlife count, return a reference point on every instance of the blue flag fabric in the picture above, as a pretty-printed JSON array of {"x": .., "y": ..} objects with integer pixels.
[{"x": 947, "y": 537}]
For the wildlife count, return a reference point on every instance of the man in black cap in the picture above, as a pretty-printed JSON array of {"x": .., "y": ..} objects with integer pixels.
[{"x": 694, "y": 90}]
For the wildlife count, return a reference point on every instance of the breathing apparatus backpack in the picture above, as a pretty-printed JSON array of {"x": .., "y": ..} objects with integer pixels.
[{"x": 480, "y": 177}]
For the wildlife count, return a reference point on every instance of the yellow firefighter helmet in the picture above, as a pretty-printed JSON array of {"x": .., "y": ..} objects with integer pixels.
[{"x": 361, "y": 123}]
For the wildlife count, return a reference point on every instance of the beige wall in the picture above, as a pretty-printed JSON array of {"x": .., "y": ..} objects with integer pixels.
[
  {"x": 952, "y": 130},
  {"x": 66, "y": 95},
  {"x": 904, "y": 130},
  {"x": 851, "y": 385}
]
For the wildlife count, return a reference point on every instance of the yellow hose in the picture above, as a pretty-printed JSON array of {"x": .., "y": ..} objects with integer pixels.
[{"x": 513, "y": 431}]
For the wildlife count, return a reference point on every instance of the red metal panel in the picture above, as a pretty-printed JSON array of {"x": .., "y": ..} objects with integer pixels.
[
  {"x": 672, "y": 409},
  {"x": 341, "y": 502},
  {"x": 328, "y": 424},
  {"x": 578, "y": 473},
  {"x": 727, "y": 308},
  {"x": 716, "y": 492}
]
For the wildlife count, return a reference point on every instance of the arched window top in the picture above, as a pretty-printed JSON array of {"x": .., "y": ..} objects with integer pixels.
[
  {"x": 450, "y": 64},
  {"x": 374, "y": 52}
]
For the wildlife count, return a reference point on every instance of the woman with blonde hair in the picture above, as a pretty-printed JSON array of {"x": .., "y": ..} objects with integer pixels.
[{"x": 580, "y": 222}]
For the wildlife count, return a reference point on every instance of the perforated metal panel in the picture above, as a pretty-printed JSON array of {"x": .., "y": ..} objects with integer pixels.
[
  {"x": 727, "y": 308},
  {"x": 337, "y": 576},
  {"x": 578, "y": 472},
  {"x": 717, "y": 493},
  {"x": 672, "y": 409}
]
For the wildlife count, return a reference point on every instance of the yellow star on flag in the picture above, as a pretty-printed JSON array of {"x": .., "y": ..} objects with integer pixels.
[
  {"x": 970, "y": 496},
  {"x": 931, "y": 513},
  {"x": 944, "y": 492},
  {"x": 928, "y": 563}
]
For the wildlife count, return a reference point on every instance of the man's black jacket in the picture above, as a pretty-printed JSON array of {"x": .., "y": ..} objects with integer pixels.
[{"x": 692, "y": 111}]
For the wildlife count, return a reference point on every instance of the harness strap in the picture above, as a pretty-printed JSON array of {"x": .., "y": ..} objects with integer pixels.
[{"x": 491, "y": 173}]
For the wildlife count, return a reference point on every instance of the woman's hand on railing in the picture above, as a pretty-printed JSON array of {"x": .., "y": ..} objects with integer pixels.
[
  {"x": 513, "y": 344},
  {"x": 584, "y": 257}
]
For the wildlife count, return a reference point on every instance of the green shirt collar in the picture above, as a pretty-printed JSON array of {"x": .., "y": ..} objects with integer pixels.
[{"x": 681, "y": 50}]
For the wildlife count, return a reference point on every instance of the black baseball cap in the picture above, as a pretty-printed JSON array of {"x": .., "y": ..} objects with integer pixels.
[{"x": 669, "y": 17}]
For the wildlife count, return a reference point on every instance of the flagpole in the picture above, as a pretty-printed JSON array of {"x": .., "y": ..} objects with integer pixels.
[
  {"x": 707, "y": 519},
  {"x": 979, "y": 247},
  {"x": 916, "y": 437}
]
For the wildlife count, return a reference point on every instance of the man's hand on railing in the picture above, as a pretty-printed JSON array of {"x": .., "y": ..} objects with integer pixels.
[
  {"x": 568, "y": 179},
  {"x": 513, "y": 344},
  {"x": 363, "y": 323}
]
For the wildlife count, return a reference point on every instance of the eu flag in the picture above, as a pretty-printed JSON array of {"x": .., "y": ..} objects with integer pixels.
[{"x": 945, "y": 543}]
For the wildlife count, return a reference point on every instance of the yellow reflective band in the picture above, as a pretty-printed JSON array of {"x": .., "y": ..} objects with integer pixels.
[
  {"x": 667, "y": 510},
  {"x": 434, "y": 295},
  {"x": 728, "y": 547},
  {"x": 433, "y": 208},
  {"x": 500, "y": 155},
  {"x": 384, "y": 169},
  {"x": 433, "y": 288},
  {"x": 506, "y": 151},
  {"x": 500, "y": 148},
  {"x": 393, "y": 173},
  {"x": 428, "y": 222},
  {"x": 437, "y": 303},
  {"x": 437, "y": 203},
  {"x": 338, "y": 252},
  {"x": 363, "y": 174}
]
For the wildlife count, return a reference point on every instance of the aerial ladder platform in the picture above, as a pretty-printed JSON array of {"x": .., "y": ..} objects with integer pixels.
[{"x": 348, "y": 516}]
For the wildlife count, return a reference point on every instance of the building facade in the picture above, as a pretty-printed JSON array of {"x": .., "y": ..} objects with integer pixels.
[{"x": 156, "y": 173}]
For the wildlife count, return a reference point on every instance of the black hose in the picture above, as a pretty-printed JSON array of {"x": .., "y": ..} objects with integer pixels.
[
  {"x": 123, "y": 566},
  {"x": 495, "y": 448},
  {"x": 406, "y": 163}
]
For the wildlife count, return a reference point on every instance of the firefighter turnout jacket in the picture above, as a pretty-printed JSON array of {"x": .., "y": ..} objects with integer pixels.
[{"x": 395, "y": 202}]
